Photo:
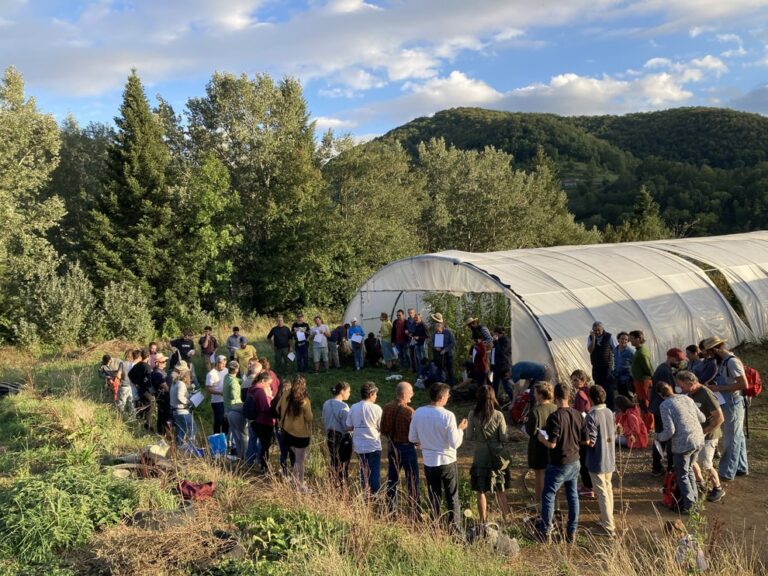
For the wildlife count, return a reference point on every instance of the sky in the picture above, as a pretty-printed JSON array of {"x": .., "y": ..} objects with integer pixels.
[{"x": 369, "y": 66}]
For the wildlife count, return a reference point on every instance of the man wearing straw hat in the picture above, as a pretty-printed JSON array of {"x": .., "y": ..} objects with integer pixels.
[
  {"x": 730, "y": 382},
  {"x": 443, "y": 344}
]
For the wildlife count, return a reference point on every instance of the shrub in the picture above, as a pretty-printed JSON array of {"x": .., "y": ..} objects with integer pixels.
[{"x": 126, "y": 313}]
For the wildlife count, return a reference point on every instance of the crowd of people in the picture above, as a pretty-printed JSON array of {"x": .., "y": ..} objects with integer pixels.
[{"x": 691, "y": 402}]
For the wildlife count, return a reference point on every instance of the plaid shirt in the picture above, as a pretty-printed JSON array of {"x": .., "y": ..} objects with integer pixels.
[{"x": 396, "y": 421}]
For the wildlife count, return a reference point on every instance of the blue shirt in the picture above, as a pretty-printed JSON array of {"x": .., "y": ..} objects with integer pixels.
[
  {"x": 448, "y": 340},
  {"x": 622, "y": 361},
  {"x": 355, "y": 330},
  {"x": 527, "y": 371}
]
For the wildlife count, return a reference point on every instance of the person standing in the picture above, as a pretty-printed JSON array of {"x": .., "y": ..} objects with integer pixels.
[
  {"x": 665, "y": 372},
  {"x": 356, "y": 335},
  {"x": 385, "y": 338},
  {"x": 233, "y": 342},
  {"x": 410, "y": 331},
  {"x": 622, "y": 363},
  {"x": 642, "y": 375},
  {"x": 320, "y": 333},
  {"x": 502, "y": 360},
  {"x": 208, "y": 346},
  {"x": 488, "y": 429},
  {"x": 682, "y": 422},
  {"x": 185, "y": 347},
  {"x": 730, "y": 382},
  {"x": 280, "y": 336},
  {"x": 180, "y": 405},
  {"x": 300, "y": 331},
  {"x": 244, "y": 354},
  {"x": 400, "y": 339},
  {"x": 337, "y": 337},
  {"x": 601, "y": 455},
  {"x": 538, "y": 455},
  {"x": 434, "y": 429},
  {"x": 443, "y": 344},
  {"x": 295, "y": 410},
  {"x": 335, "y": 411},
  {"x": 395, "y": 424},
  {"x": 705, "y": 401},
  {"x": 602, "y": 346},
  {"x": 420, "y": 337},
  {"x": 263, "y": 425},
  {"x": 161, "y": 382},
  {"x": 233, "y": 406},
  {"x": 562, "y": 435},
  {"x": 140, "y": 376},
  {"x": 214, "y": 385},
  {"x": 364, "y": 421}
]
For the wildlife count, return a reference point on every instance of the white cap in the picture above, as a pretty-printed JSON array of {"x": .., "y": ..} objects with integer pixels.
[{"x": 354, "y": 319}]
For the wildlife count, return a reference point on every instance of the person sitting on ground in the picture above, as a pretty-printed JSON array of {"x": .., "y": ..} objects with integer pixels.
[
  {"x": 373, "y": 351},
  {"x": 488, "y": 429},
  {"x": 430, "y": 374},
  {"x": 538, "y": 455},
  {"x": 682, "y": 422},
  {"x": 296, "y": 424},
  {"x": 335, "y": 411},
  {"x": 582, "y": 403},
  {"x": 601, "y": 455},
  {"x": 364, "y": 421},
  {"x": 630, "y": 429},
  {"x": 706, "y": 401},
  {"x": 562, "y": 435}
]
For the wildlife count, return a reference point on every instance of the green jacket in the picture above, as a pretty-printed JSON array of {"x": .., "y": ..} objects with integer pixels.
[
  {"x": 642, "y": 369},
  {"x": 231, "y": 391}
]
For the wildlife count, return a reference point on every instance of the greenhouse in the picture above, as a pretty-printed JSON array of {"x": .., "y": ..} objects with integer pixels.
[{"x": 666, "y": 288}]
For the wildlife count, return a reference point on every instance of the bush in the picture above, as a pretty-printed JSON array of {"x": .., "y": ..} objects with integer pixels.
[
  {"x": 44, "y": 515},
  {"x": 126, "y": 313}
]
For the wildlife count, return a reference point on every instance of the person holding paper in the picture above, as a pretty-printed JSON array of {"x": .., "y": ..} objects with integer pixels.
[
  {"x": 706, "y": 401},
  {"x": 281, "y": 337},
  {"x": 400, "y": 339},
  {"x": 320, "y": 333},
  {"x": 180, "y": 405},
  {"x": 562, "y": 435},
  {"x": 443, "y": 343},
  {"x": 300, "y": 331},
  {"x": 356, "y": 336},
  {"x": 214, "y": 385},
  {"x": 730, "y": 382}
]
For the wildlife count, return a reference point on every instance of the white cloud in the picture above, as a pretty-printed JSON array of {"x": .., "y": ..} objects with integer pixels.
[
  {"x": 712, "y": 63},
  {"x": 349, "y": 6},
  {"x": 699, "y": 30},
  {"x": 736, "y": 52},
  {"x": 325, "y": 122}
]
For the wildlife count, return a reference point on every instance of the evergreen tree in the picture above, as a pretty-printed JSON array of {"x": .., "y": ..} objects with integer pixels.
[{"x": 645, "y": 223}]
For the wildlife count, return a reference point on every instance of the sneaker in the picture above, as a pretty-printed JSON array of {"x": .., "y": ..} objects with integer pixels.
[
  {"x": 570, "y": 537},
  {"x": 740, "y": 473},
  {"x": 586, "y": 493},
  {"x": 716, "y": 494}
]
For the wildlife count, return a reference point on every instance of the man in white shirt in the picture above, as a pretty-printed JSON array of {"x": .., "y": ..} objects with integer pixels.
[
  {"x": 319, "y": 333},
  {"x": 214, "y": 385},
  {"x": 434, "y": 429},
  {"x": 364, "y": 421}
]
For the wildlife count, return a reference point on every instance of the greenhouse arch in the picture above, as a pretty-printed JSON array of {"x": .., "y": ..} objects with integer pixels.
[{"x": 555, "y": 294}]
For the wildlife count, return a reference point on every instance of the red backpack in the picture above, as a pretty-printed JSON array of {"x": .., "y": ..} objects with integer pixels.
[
  {"x": 754, "y": 382},
  {"x": 521, "y": 407},
  {"x": 670, "y": 495}
]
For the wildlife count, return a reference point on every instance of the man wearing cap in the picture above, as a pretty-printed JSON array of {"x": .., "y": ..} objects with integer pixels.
[
  {"x": 665, "y": 372},
  {"x": 434, "y": 429},
  {"x": 730, "y": 382},
  {"x": 364, "y": 421},
  {"x": 300, "y": 331},
  {"x": 443, "y": 344},
  {"x": 357, "y": 347},
  {"x": 602, "y": 346},
  {"x": 233, "y": 342},
  {"x": 214, "y": 385},
  {"x": 642, "y": 375},
  {"x": 281, "y": 337}
]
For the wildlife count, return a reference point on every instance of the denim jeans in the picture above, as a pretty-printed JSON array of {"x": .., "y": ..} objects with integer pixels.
[
  {"x": 734, "y": 457},
  {"x": 302, "y": 357},
  {"x": 253, "y": 451},
  {"x": 402, "y": 355},
  {"x": 403, "y": 457},
  {"x": 686, "y": 480},
  {"x": 185, "y": 429},
  {"x": 420, "y": 351},
  {"x": 444, "y": 363},
  {"x": 554, "y": 478},
  {"x": 237, "y": 427},
  {"x": 370, "y": 472},
  {"x": 444, "y": 480},
  {"x": 357, "y": 351},
  {"x": 285, "y": 452}
]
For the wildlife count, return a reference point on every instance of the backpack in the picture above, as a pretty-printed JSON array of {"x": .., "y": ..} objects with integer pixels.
[
  {"x": 250, "y": 408},
  {"x": 273, "y": 405},
  {"x": 520, "y": 408},
  {"x": 754, "y": 382},
  {"x": 670, "y": 495}
]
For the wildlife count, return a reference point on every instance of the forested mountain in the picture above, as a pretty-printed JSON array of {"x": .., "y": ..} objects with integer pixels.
[{"x": 707, "y": 168}]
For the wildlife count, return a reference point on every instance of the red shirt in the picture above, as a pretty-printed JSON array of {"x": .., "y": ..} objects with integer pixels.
[{"x": 398, "y": 332}]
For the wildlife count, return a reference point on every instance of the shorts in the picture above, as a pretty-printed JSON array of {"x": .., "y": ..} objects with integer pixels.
[
  {"x": 320, "y": 354},
  {"x": 706, "y": 455},
  {"x": 482, "y": 479},
  {"x": 295, "y": 441}
]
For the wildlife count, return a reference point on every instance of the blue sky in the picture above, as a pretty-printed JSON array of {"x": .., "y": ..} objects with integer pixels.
[{"x": 368, "y": 66}]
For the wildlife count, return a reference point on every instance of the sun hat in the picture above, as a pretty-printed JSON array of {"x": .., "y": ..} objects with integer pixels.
[
  {"x": 160, "y": 357},
  {"x": 470, "y": 320},
  {"x": 182, "y": 366},
  {"x": 437, "y": 317},
  {"x": 712, "y": 342}
]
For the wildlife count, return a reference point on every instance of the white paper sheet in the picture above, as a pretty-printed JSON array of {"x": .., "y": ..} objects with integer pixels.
[
  {"x": 720, "y": 398},
  {"x": 357, "y": 338},
  {"x": 291, "y": 356},
  {"x": 493, "y": 357},
  {"x": 543, "y": 434},
  {"x": 300, "y": 336},
  {"x": 319, "y": 338},
  {"x": 657, "y": 445},
  {"x": 197, "y": 399},
  {"x": 439, "y": 340}
]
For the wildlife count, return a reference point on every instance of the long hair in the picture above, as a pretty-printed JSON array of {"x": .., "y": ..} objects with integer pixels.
[
  {"x": 486, "y": 403},
  {"x": 297, "y": 396}
]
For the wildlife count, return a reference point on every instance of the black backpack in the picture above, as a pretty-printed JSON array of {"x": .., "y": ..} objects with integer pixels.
[
  {"x": 273, "y": 405},
  {"x": 250, "y": 408}
]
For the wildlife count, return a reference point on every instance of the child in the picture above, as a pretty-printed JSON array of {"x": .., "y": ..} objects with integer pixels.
[
  {"x": 582, "y": 403},
  {"x": 631, "y": 431}
]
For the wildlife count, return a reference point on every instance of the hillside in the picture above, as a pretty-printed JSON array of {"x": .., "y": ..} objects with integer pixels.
[{"x": 706, "y": 167}]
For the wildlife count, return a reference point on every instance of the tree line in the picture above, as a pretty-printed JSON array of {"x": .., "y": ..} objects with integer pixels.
[{"x": 231, "y": 206}]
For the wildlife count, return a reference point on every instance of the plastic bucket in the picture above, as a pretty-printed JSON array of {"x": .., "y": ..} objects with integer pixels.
[{"x": 217, "y": 443}]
